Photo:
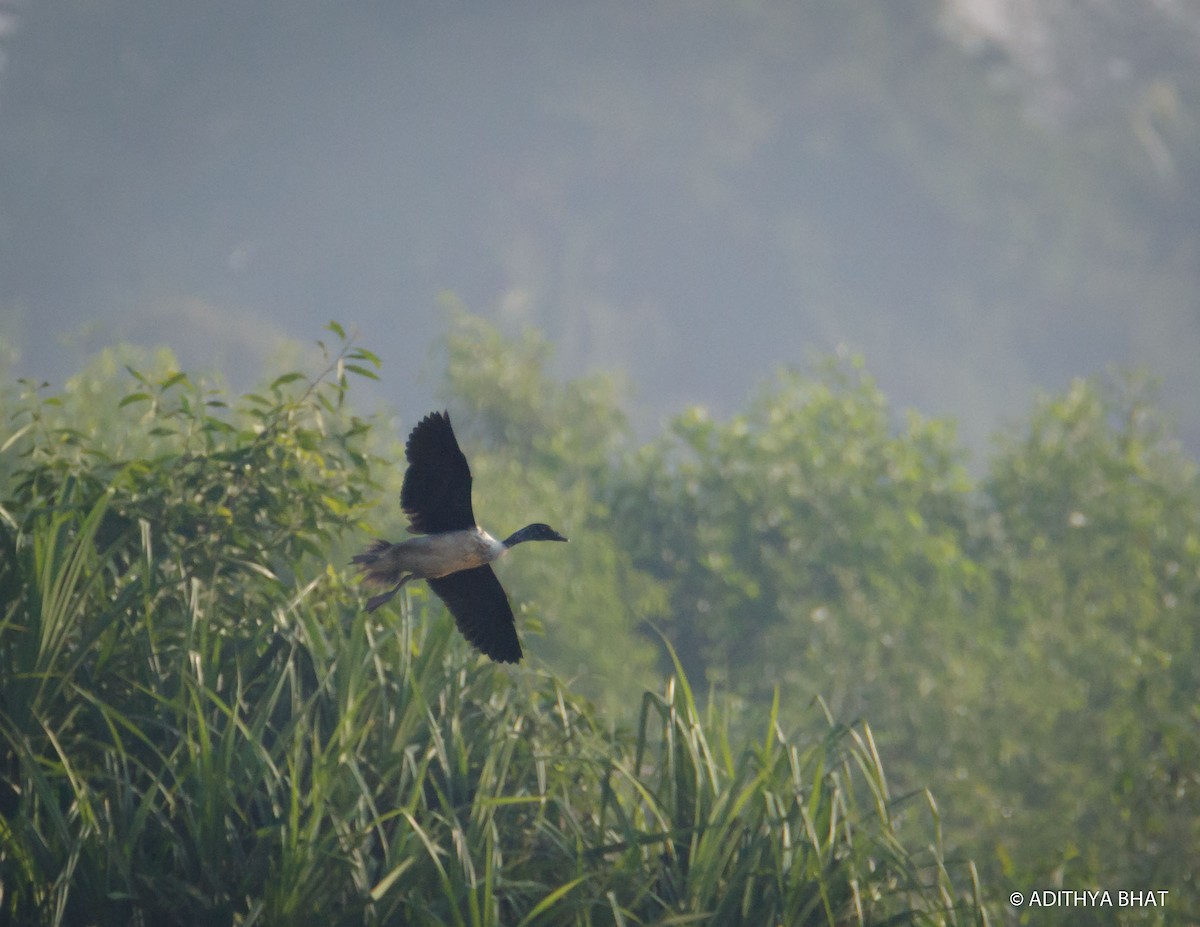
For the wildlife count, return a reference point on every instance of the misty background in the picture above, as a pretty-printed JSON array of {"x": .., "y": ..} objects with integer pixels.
[{"x": 984, "y": 197}]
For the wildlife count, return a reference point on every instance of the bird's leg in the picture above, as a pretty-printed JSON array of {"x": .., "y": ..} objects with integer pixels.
[{"x": 376, "y": 600}]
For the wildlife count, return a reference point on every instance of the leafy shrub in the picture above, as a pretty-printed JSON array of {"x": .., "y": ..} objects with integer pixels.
[{"x": 198, "y": 725}]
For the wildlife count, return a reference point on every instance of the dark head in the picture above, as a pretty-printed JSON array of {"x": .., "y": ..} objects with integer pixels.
[{"x": 535, "y": 532}]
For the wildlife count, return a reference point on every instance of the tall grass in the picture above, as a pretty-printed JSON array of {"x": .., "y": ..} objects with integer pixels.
[{"x": 196, "y": 728}]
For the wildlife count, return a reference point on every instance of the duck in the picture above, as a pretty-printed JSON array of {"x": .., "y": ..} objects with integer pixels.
[{"x": 449, "y": 551}]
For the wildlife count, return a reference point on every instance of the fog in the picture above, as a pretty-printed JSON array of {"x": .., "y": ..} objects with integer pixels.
[{"x": 981, "y": 198}]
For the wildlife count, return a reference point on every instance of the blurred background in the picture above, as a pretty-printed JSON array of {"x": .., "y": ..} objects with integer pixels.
[
  {"x": 564, "y": 219},
  {"x": 983, "y": 197}
]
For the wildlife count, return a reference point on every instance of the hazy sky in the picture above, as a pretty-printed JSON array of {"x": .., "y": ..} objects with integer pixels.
[{"x": 693, "y": 193}]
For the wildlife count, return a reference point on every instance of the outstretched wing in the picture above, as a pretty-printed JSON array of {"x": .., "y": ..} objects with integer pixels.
[
  {"x": 481, "y": 610},
  {"x": 436, "y": 495}
]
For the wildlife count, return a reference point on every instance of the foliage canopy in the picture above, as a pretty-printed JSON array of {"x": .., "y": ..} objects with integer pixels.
[
  {"x": 195, "y": 716},
  {"x": 198, "y": 725}
]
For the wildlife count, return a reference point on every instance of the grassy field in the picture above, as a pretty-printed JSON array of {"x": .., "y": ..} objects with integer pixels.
[{"x": 198, "y": 725}]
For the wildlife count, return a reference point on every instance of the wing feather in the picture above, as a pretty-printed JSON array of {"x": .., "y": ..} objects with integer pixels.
[
  {"x": 481, "y": 610},
  {"x": 436, "y": 495}
]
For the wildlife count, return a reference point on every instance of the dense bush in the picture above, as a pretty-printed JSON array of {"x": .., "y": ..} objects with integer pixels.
[
  {"x": 1023, "y": 641},
  {"x": 1026, "y": 643},
  {"x": 198, "y": 725},
  {"x": 196, "y": 716}
]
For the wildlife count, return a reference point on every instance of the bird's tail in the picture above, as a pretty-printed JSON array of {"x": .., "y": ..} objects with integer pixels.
[{"x": 376, "y": 567}]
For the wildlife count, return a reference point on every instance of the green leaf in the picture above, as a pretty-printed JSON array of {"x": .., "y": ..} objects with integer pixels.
[
  {"x": 363, "y": 371},
  {"x": 550, "y": 900},
  {"x": 285, "y": 379}
]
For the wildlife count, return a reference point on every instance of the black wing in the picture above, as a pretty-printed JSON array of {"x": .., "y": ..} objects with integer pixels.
[
  {"x": 481, "y": 610},
  {"x": 436, "y": 494}
]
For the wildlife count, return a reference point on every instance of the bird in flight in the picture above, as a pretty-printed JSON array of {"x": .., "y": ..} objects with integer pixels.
[{"x": 450, "y": 552}]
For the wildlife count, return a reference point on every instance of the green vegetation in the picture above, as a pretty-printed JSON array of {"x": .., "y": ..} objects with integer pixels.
[
  {"x": 1023, "y": 643},
  {"x": 1027, "y": 646},
  {"x": 198, "y": 725}
]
